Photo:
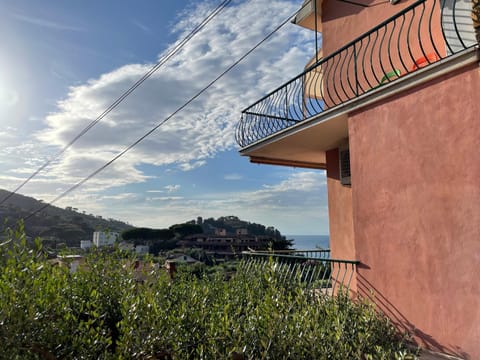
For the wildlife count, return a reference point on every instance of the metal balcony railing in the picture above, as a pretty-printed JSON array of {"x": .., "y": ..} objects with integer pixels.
[
  {"x": 313, "y": 268},
  {"x": 421, "y": 34}
]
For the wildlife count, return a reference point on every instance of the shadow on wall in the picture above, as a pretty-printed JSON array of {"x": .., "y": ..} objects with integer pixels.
[{"x": 366, "y": 290}]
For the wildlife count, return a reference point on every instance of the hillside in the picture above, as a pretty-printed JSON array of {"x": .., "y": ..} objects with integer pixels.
[
  {"x": 232, "y": 223},
  {"x": 54, "y": 224},
  {"x": 179, "y": 235}
]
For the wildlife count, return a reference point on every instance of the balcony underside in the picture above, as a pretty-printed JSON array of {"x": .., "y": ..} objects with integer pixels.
[{"x": 303, "y": 145}]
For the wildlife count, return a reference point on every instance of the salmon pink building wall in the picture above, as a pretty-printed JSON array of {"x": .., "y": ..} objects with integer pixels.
[
  {"x": 415, "y": 164},
  {"x": 342, "y": 241},
  {"x": 343, "y": 22}
]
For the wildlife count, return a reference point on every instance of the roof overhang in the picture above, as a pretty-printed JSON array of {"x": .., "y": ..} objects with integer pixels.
[
  {"x": 306, "y": 15},
  {"x": 303, "y": 145}
]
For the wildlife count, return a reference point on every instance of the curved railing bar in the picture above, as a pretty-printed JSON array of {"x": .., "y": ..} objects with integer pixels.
[
  {"x": 432, "y": 40},
  {"x": 332, "y": 77}
]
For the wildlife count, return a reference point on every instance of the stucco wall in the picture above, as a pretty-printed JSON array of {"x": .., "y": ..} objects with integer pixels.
[
  {"x": 415, "y": 162},
  {"x": 342, "y": 22},
  {"x": 342, "y": 244}
]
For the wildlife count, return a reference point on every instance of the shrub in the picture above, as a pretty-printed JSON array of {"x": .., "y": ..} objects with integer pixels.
[{"x": 102, "y": 312}]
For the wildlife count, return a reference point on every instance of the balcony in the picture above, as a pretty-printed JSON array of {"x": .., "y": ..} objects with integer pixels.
[
  {"x": 313, "y": 268},
  {"x": 426, "y": 38}
]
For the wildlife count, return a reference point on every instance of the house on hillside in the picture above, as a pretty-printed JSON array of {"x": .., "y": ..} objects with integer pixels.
[
  {"x": 389, "y": 107},
  {"x": 126, "y": 246},
  {"x": 241, "y": 231},
  {"x": 182, "y": 259},
  {"x": 72, "y": 262},
  {"x": 221, "y": 232},
  {"x": 105, "y": 238},
  {"x": 85, "y": 244},
  {"x": 226, "y": 245},
  {"x": 141, "y": 249}
]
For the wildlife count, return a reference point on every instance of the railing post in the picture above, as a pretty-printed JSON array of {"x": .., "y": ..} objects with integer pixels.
[
  {"x": 355, "y": 67},
  {"x": 316, "y": 32}
]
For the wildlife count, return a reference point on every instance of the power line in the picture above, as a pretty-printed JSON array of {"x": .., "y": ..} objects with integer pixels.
[
  {"x": 119, "y": 100},
  {"x": 123, "y": 152}
]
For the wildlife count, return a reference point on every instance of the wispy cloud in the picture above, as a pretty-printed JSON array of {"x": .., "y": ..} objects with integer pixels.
[
  {"x": 46, "y": 23},
  {"x": 172, "y": 188},
  {"x": 297, "y": 203},
  {"x": 203, "y": 130},
  {"x": 141, "y": 26},
  {"x": 190, "y": 139},
  {"x": 165, "y": 198}
]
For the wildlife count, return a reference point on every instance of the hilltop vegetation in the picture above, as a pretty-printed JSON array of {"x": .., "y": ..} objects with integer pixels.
[
  {"x": 64, "y": 225},
  {"x": 166, "y": 239},
  {"x": 56, "y": 225},
  {"x": 232, "y": 223}
]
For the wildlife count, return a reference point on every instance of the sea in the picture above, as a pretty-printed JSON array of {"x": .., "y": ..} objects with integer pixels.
[{"x": 310, "y": 242}]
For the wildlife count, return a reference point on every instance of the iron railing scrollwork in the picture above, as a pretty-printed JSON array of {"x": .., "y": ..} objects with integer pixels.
[{"x": 419, "y": 35}]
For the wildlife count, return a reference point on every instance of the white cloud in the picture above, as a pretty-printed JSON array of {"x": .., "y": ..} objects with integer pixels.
[
  {"x": 203, "y": 129},
  {"x": 187, "y": 141},
  {"x": 121, "y": 196},
  {"x": 296, "y": 203},
  {"x": 172, "y": 188},
  {"x": 165, "y": 198},
  {"x": 192, "y": 165}
]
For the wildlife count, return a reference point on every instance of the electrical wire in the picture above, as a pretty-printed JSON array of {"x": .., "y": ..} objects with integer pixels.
[
  {"x": 123, "y": 152},
  {"x": 119, "y": 100}
]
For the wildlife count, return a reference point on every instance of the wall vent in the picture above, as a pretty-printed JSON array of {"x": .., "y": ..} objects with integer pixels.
[{"x": 344, "y": 157}]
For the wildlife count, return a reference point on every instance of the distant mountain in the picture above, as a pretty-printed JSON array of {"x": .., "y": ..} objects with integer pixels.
[{"x": 55, "y": 225}]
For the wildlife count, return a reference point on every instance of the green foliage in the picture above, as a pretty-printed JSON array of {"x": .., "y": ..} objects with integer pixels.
[
  {"x": 147, "y": 234},
  {"x": 201, "y": 255},
  {"x": 67, "y": 226},
  {"x": 281, "y": 244},
  {"x": 182, "y": 230},
  {"x": 102, "y": 311},
  {"x": 232, "y": 223},
  {"x": 157, "y": 239}
]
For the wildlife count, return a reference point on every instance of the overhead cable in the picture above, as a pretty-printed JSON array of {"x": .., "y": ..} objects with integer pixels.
[
  {"x": 123, "y": 152},
  {"x": 119, "y": 100}
]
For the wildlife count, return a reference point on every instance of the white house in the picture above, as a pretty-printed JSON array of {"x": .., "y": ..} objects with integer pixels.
[
  {"x": 126, "y": 246},
  {"x": 141, "y": 249},
  {"x": 104, "y": 238},
  {"x": 85, "y": 244}
]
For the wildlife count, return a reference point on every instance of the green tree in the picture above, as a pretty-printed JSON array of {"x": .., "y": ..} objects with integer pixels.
[
  {"x": 112, "y": 309},
  {"x": 282, "y": 244},
  {"x": 144, "y": 235},
  {"x": 182, "y": 230}
]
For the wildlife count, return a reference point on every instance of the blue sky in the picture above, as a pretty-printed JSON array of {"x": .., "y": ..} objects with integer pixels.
[{"x": 62, "y": 63}]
